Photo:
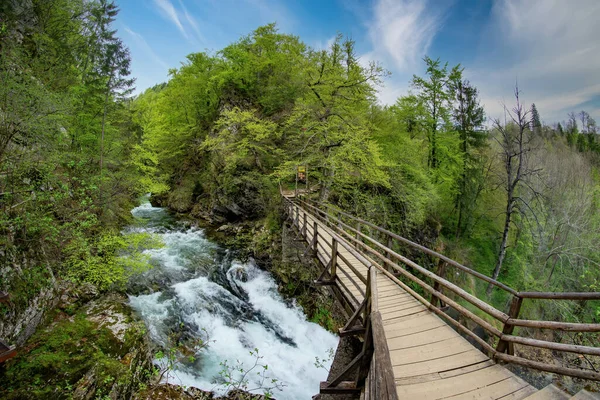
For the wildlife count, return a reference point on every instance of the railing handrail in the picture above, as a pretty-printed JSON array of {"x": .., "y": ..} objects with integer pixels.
[
  {"x": 514, "y": 292},
  {"x": 490, "y": 310},
  {"x": 423, "y": 249},
  {"x": 560, "y": 295},
  {"x": 506, "y": 336},
  {"x": 350, "y": 249}
]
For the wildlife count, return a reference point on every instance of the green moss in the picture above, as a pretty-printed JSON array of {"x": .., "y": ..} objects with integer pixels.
[
  {"x": 27, "y": 286},
  {"x": 56, "y": 360}
]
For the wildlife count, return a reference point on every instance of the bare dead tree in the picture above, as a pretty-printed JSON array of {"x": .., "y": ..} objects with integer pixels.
[{"x": 515, "y": 140}]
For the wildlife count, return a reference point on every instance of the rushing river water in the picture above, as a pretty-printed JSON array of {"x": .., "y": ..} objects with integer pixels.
[{"x": 198, "y": 290}]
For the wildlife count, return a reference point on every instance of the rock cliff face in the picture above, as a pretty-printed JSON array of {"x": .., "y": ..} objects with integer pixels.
[
  {"x": 18, "y": 324},
  {"x": 32, "y": 290},
  {"x": 133, "y": 348}
]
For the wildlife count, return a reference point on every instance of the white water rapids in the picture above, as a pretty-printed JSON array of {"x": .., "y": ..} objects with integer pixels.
[{"x": 197, "y": 290}]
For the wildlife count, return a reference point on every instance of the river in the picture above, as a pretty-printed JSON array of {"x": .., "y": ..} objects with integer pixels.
[{"x": 198, "y": 290}]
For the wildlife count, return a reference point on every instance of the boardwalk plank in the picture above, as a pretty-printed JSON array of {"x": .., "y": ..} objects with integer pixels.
[
  {"x": 430, "y": 351},
  {"x": 418, "y": 325},
  {"x": 460, "y": 384},
  {"x": 454, "y": 361},
  {"x": 522, "y": 393},
  {"x": 493, "y": 391},
  {"x": 416, "y": 339}
]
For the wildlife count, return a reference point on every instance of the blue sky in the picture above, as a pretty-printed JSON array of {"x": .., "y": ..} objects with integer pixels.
[{"x": 551, "y": 47}]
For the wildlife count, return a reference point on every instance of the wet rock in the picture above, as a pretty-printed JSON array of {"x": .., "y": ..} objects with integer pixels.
[
  {"x": 112, "y": 313},
  {"x": 131, "y": 347},
  {"x": 174, "y": 392},
  {"x": 29, "y": 299},
  {"x": 224, "y": 228},
  {"x": 165, "y": 391},
  {"x": 18, "y": 323},
  {"x": 75, "y": 295},
  {"x": 199, "y": 211},
  {"x": 240, "y": 274},
  {"x": 158, "y": 200}
]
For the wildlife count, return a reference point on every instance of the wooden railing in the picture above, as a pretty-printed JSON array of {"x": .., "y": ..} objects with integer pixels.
[
  {"x": 6, "y": 351},
  {"x": 372, "y": 365},
  {"x": 326, "y": 245},
  {"x": 379, "y": 383},
  {"x": 443, "y": 293}
]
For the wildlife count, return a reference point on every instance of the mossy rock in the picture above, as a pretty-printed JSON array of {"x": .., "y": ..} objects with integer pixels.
[{"x": 100, "y": 351}]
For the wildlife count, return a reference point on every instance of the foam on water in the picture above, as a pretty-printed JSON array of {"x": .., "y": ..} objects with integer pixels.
[{"x": 205, "y": 292}]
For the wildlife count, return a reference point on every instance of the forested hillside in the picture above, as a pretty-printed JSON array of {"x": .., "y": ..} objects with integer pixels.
[
  {"x": 516, "y": 198},
  {"x": 67, "y": 184},
  {"x": 67, "y": 181},
  {"x": 513, "y": 198}
]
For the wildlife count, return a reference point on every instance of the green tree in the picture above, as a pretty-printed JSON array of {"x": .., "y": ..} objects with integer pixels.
[
  {"x": 328, "y": 128},
  {"x": 111, "y": 60},
  {"x": 51, "y": 97},
  {"x": 536, "y": 123},
  {"x": 515, "y": 141},
  {"x": 435, "y": 93},
  {"x": 469, "y": 118}
]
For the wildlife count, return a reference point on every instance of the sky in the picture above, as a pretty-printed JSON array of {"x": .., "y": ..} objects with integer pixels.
[{"x": 551, "y": 48}]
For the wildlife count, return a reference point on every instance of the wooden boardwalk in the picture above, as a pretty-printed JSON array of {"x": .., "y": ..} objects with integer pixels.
[{"x": 430, "y": 360}]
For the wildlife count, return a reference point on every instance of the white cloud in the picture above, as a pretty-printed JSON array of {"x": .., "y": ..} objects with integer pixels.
[
  {"x": 390, "y": 93},
  {"x": 320, "y": 45},
  {"x": 192, "y": 22},
  {"x": 143, "y": 44},
  {"x": 182, "y": 19},
  {"x": 550, "y": 47},
  {"x": 169, "y": 12},
  {"x": 403, "y": 30}
]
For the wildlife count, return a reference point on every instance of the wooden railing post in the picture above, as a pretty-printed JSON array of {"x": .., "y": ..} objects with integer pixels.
[
  {"x": 304, "y": 225},
  {"x": 334, "y": 252},
  {"x": 368, "y": 294},
  {"x": 367, "y": 350},
  {"x": 515, "y": 308},
  {"x": 315, "y": 238},
  {"x": 441, "y": 272},
  {"x": 298, "y": 217},
  {"x": 358, "y": 230},
  {"x": 388, "y": 255}
]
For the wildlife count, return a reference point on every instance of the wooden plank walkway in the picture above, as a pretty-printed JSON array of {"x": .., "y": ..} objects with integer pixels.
[
  {"x": 430, "y": 360},
  {"x": 349, "y": 283}
]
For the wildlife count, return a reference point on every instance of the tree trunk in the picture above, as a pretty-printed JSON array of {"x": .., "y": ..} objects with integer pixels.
[
  {"x": 325, "y": 191},
  {"x": 460, "y": 201},
  {"x": 459, "y": 222},
  {"x": 433, "y": 151},
  {"x": 503, "y": 244},
  {"x": 102, "y": 137}
]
